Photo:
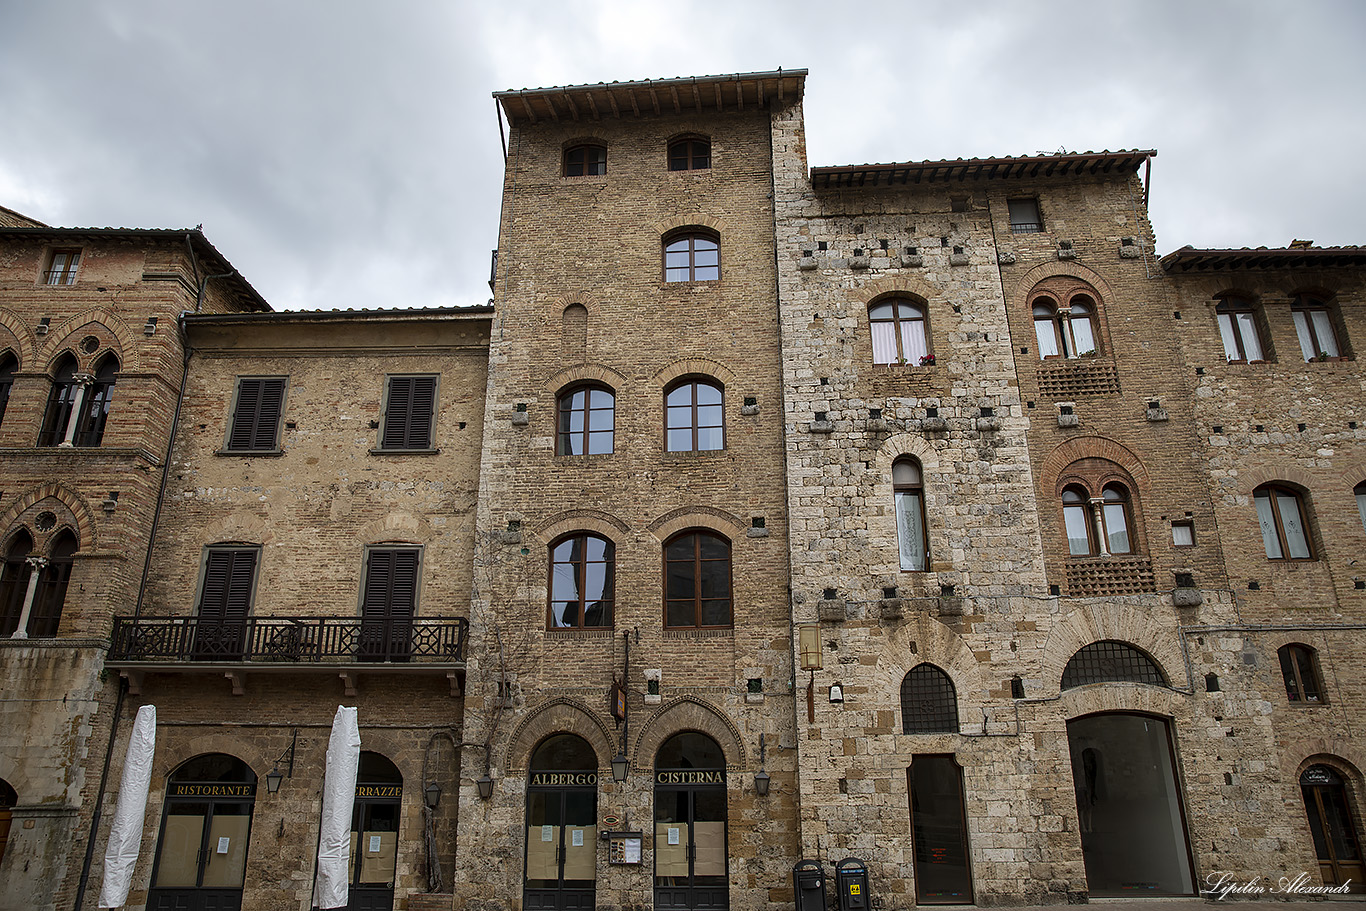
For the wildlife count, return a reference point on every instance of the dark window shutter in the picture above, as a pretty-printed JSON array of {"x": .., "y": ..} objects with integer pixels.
[
  {"x": 256, "y": 421},
  {"x": 408, "y": 413},
  {"x": 227, "y": 584},
  {"x": 391, "y": 583}
]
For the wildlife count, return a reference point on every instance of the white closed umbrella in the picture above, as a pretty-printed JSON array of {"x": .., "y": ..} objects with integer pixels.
[
  {"x": 339, "y": 796},
  {"x": 125, "y": 833}
]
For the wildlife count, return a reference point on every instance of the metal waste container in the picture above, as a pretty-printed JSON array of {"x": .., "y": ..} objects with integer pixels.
[
  {"x": 808, "y": 885},
  {"x": 851, "y": 881}
]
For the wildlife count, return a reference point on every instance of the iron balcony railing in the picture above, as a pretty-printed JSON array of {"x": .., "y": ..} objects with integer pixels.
[{"x": 305, "y": 640}]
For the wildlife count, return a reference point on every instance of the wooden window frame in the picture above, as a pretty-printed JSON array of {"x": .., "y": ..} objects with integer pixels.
[
  {"x": 896, "y": 320},
  {"x": 257, "y": 412},
  {"x": 690, "y": 158},
  {"x": 9, "y": 364},
  {"x": 694, "y": 427},
  {"x": 691, "y": 236},
  {"x": 1300, "y": 672},
  {"x": 565, "y": 410},
  {"x": 400, "y": 431},
  {"x": 917, "y": 487},
  {"x": 62, "y": 264},
  {"x": 1273, "y": 491},
  {"x": 580, "y": 570},
  {"x": 1229, "y": 309},
  {"x": 696, "y": 560},
  {"x": 1306, "y": 305},
  {"x": 1092, "y": 547},
  {"x": 578, "y": 163}
]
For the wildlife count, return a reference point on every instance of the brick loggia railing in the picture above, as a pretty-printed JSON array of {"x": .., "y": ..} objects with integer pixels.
[
  {"x": 1077, "y": 377},
  {"x": 304, "y": 640},
  {"x": 1101, "y": 576}
]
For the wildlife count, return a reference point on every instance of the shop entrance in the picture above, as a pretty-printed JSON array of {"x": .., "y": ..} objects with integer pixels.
[
  {"x": 374, "y": 834},
  {"x": 1133, "y": 832},
  {"x": 690, "y": 825},
  {"x": 939, "y": 830},
  {"x": 1330, "y": 822},
  {"x": 202, "y": 847},
  {"x": 561, "y": 826}
]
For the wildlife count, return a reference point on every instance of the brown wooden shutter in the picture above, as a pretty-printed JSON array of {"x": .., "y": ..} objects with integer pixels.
[
  {"x": 256, "y": 420},
  {"x": 408, "y": 412}
]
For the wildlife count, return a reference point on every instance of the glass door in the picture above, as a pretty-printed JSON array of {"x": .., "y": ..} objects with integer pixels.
[
  {"x": 205, "y": 829},
  {"x": 1330, "y": 823},
  {"x": 561, "y": 826},
  {"x": 691, "y": 871},
  {"x": 939, "y": 831},
  {"x": 374, "y": 834}
]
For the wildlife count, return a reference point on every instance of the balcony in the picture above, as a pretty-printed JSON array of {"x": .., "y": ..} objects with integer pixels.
[{"x": 345, "y": 646}]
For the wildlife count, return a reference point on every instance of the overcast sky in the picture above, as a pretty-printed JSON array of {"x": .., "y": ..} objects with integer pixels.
[{"x": 346, "y": 154}]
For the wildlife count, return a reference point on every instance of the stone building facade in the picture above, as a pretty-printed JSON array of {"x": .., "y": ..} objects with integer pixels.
[
  {"x": 91, "y": 362},
  {"x": 914, "y": 513}
]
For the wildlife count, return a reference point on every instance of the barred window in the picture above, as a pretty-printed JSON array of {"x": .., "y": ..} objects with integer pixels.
[
  {"x": 1111, "y": 661},
  {"x": 929, "y": 703}
]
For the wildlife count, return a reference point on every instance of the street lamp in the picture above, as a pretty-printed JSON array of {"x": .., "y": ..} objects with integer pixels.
[
  {"x": 432, "y": 795},
  {"x": 619, "y": 767}
]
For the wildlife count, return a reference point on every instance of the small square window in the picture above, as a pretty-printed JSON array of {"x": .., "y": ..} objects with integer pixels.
[
  {"x": 1183, "y": 534},
  {"x": 408, "y": 410},
  {"x": 61, "y": 267},
  {"x": 1024, "y": 216}
]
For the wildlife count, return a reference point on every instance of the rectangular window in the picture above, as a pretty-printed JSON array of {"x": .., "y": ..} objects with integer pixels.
[
  {"x": 1024, "y": 216},
  {"x": 1314, "y": 328},
  {"x": 256, "y": 414},
  {"x": 388, "y": 603},
  {"x": 408, "y": 410},
  {"x": 61, "y": 267},
  {"x": 1183, "y": 534}
]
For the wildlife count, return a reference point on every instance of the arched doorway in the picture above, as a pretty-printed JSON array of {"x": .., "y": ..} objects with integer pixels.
[
  {"x": 1330, "y": 822},
  {"x": 561, "y": 826},
  {"x": 205, "y": 826},
  {"x": 939, "y": 830},
  {"x": 374, "y": 834},
  {"x": 1133, "y": 831},
  {"x": 690, "y": 825},
  {"x": 7, "y": 801}
]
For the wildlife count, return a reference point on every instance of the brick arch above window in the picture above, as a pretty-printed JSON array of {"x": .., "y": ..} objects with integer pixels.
[
  {"x": 16, "y": 338},
  {"x": 112, "y": 332},
  {"x": 1076, "y": 272},
  {"x": 395, "y": 528},
  {"x": 1079, "y": 449},
  {"x": 75, "y": 511},
  {"x": 698, "y": 220},
  {"x": 688, "y": 713},
  {"x": 694, "y": 366},
  {"x": 578, "y": 374},
  {"x": 895, "y": 285},
  {"x": 242, "y": 527},
  {"x": 1125, "y": 623},
  {"x": 703, "y": 518},
  {"x": 593, "y": 520},
  {"x": 1074, "y": 313},
  {"x": 1283, "y": 474}
]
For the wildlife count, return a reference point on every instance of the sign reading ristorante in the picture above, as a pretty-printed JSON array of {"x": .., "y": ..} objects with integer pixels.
[
  {"x": 186, "y": 789},
  {"x": 564, "y": 779},
  {"x": 691, "y": 776}
]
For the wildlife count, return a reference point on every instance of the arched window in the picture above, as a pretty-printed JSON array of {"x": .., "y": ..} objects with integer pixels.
[
  {"x": 694, "y": 416},
  {"x": 586, "y": 420},
  {"x": 95, "y": 412},
  {"x": 1299, "y": 669},
  {"x": 692, "y": 256},
  {"x": 8, "y": 365},
  {"x": 61, "y": 401},
  {"x": 1065, "y": 331},
  {"x": 581, "y": 582},
  {"x": 1116, "y": 518},
  {"x": 50, "y": 594},
  {"x": 697, "y": 581},
  {"x": 585, "y": 161},
  {"x": 1360, "y": 492},
  {"x": 1314, "y": 328},
  {"x": 1282, "y": 517},
  {"x": 1238, "y": 330},
  {"x": 691, "y": 153},
  {"x": 897, "y": 327},
  {"x": 14, "y": 581},
  {"x": 929, "y": 702},
  {"x": 1076, "y": 521},
  {"x": 1111, "y": 661},
  {"x": 911, "y": 534}
]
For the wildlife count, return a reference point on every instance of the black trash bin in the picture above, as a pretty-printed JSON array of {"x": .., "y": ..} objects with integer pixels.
[
  {"x": 851, "y": 881},
  {"x": 808, "y": 885}
]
